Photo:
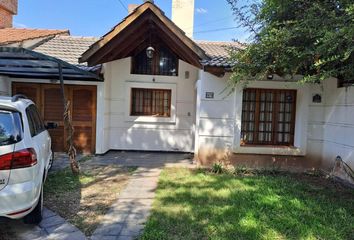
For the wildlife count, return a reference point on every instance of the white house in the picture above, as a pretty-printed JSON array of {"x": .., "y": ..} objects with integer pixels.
[{"x": 162, "y": 91}]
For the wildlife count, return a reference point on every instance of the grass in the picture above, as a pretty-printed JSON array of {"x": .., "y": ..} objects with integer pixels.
[
  {"x": 83, "y": 200},
  {"x": 196, "y": 204}
]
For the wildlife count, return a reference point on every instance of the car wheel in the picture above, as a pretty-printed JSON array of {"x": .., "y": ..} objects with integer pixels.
[{"x": 35, "y": 217}]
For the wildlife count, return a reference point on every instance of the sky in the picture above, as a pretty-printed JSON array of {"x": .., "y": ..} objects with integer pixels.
[{"x": 96, "y": 17}]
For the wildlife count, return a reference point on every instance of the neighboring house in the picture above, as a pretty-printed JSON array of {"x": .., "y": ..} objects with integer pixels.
[
  {"x": 162, "y": 91},
  {"x": 26, "y": 37}
]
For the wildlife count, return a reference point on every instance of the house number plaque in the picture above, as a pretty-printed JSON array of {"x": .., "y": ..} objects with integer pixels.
[{"x": 209, "y": 95}]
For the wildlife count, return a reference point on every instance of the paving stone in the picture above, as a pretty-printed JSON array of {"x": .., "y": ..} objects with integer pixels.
[
  {"x": 131, "y": 229},
  {"x": 109, "y": 230},
  {"x": 126, "y": 238},
  {"x": 67, "y": 236},
  {"x": 100, "y": 237},
  {"x": 48, "y": 213},
  {"x": 62, "y": 228},
  {"x": 52, "y": 221}
]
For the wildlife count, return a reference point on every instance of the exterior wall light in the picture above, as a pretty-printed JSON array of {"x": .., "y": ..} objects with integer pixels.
[
  {"x": 150, "y": 52},
  {"x": 317, "y": 98}
]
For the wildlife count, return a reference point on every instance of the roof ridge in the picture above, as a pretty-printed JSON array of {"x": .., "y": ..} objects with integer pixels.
[
  {"x": 217, "y": 42},
  {"x": 77, "y": 37},
  {"x": 36, "y": 29}
]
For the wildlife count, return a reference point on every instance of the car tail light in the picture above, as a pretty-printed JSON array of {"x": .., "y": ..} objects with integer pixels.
[{"x": 19, "y": 159}]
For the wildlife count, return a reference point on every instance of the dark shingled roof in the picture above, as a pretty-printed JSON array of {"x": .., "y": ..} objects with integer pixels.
[
  {"x": 69, "y": 49},
  {"x": 218, "y": 53}
]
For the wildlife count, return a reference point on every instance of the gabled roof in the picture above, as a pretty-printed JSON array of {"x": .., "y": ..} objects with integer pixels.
[
  {"x": 66, "y": 48},
  {"x": 70, "y": 48},
  {"x": 218, "y": 53},
  {"x": 15, "y": 35},
  {"x": 136, "y": 28}
]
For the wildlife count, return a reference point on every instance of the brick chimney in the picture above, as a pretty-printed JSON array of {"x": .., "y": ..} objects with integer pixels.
[
  {"x": 8, "y": 8},
  {"x": 183, "y": 15}
]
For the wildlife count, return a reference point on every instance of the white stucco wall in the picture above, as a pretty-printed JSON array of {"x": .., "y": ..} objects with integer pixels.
[
  {"x": 123, "y": 132},
  {"x": 338, "y": 123},
  {"x": 220, "y": 117},
  {"x": 5, "y": 86},
  {"x": 322, "y": 130},
  {"x": 216, "y": 117}
]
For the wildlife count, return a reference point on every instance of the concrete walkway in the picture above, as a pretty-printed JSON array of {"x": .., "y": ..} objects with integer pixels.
[
  {"x": 126, "y": 219},
  {"x": 52, "y": 227}
]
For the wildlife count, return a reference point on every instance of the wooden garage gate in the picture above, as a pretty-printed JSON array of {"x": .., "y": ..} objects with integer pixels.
[{"x": 48, "y": 98}]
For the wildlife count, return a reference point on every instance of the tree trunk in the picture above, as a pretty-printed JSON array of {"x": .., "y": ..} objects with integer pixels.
[
  {"x": 69, "y": 140},
  {"x": 68, "y": 127}
]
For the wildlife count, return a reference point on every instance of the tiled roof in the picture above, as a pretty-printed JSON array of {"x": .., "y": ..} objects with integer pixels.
[
  {"x": 67, "y": 48},
  {"x": 14, "y": 35},
  {"x": 218, "y": 53}
]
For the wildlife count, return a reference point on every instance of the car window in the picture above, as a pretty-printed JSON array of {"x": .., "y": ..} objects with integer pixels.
[
  {"x": 38, "y": 120},
  {"x": 10, "y": 127},
  {"x": 31, "y": 122},
  {"x": 35, "y": 122}
]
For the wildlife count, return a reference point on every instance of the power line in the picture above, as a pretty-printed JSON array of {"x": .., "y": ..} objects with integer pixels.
[
  {"x": 217, "y": 30},
  {"x": 123, "y": 5},
  {"x": 212, "y": 21}
]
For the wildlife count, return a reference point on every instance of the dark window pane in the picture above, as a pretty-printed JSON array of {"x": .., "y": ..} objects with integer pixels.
[
  {"x": 164, "y": 62},
  {"x": 150, "y": 102},
  {"x": 10, "y": 127},
  {"x": 268, "y": 117}
]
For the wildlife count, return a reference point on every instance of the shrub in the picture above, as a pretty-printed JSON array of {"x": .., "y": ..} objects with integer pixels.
[
  {"x": 218, "y": 168},
  {"x": 241, "y": 170}
]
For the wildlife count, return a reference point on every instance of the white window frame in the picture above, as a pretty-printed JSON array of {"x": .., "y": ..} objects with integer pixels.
[{"x": 150, "y": 119}]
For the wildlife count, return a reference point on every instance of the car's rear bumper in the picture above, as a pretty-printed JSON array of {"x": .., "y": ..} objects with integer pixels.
[{"x": 18, "y": 200}]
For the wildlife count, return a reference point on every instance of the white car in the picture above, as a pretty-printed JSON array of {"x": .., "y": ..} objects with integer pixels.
[{"x": 25, "y": 158}]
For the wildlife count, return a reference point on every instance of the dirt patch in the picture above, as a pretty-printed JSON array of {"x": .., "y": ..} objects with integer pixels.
[
  {"x": 325, "y": 183},
  {"x": 84, "y": 200}
]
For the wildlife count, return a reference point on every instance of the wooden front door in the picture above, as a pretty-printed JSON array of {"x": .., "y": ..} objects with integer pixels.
[{"x": 82, "y": 106}]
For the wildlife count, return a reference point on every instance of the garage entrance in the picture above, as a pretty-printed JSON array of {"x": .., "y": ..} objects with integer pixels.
[{"x": 83, "y": 109}]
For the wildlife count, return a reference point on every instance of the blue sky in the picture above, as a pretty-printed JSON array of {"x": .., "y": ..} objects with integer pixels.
[{"x": 96, "y": 17}]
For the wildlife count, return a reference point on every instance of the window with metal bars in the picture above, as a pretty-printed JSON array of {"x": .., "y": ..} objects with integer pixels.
[
  {"x": 268, "y": 117},
  {"x": 345, "y": 83},
  {"x": 164, "y": 62},
  {"x": 150, "y": 102}
]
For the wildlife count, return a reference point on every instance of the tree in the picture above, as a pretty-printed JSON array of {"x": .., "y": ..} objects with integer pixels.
[
  {"x": 312, "y": 38},
  {"x": 75, "y": 168}
]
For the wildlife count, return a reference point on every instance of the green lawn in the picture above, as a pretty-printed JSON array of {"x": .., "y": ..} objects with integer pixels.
[{"x": 195, "y": 204}]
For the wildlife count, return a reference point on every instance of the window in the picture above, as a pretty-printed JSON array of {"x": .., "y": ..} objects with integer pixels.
[
  {"x": 150, "y": 102},
  {"x": 268, "y": 117},
  {"x": 35, "y": 122},
  {"x": 164, "y": 62},
  {"x": 345, "y": 83},
  {"x": 10, "y": 127}
]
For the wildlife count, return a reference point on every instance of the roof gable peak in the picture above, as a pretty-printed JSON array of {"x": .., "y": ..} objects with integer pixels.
[{"x": 134, "y": 28}]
